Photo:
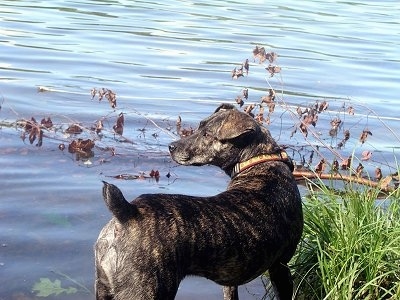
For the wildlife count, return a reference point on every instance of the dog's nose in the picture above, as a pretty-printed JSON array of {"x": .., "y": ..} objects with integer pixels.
[{"x": 171, "y": 147}]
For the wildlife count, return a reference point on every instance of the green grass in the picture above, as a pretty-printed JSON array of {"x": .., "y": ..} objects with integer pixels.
[{"x": 350, "y": 247}]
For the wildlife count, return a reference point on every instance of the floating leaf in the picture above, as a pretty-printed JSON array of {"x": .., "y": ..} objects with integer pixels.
[
  {"x": 40, "y": 139},
  {"x": 93, "y": 92},
  {"x": 271, "y": 107},
  {"x": 259, "y": 118},
  {"x": 311, "y": 118},
  {"x": 269, "y": 98},
  {"x": 245, "y": 93},
  {"x": 273, "y": 69},
  {"x": 58, "y": 220},
  {"x": 32, "y": 136},
  {"x": 155, "y": 173},
  {"x": 236, "y": 73},
  {"x": 119, "y": 125},
  {"x": 186, "y": 132},
  {"x": 107, "y": 93},
  {"x": 323, "y": 106},
  {"x": 259, "y": 52},
  {"x": 345, "y": 139},
  {"x": 179, "y": 121},
  {"x": 112, "y": 98},
  {"x": 271, "y": 57},
  {"x": 346, "y": 135},
  {"x": 378, "y": 174},
  {"x": 80, "y": 145},
  {"x": 249, "y": 108},
  {"x": 246, "y": 66},
  {"x": 98, "y": 126},
  {"x": 47, "y": 123},
  {"x": 42, "y": 89},
  {"x": 45, "y": 288},
  {"x": 239, "y": 101},
  {"x": 335, "y": 124},
  {"x": 303, "y": 129},
  {"x": 34, "y": 130},
  {"x": 74, "y": 129},
  {"x": 101, "y": 93}
]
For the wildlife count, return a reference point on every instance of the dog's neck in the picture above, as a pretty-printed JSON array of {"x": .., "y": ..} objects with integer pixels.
[{"x": 280, "y": 156}]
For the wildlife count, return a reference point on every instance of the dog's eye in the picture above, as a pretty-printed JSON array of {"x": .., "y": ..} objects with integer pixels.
[{"x": 207, "y": 135}]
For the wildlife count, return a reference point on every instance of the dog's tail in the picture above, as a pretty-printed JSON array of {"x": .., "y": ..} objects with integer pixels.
[{"x": 117, "y": 204}]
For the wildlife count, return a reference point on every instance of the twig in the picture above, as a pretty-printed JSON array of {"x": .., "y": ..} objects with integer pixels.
[
  {"x": 155, "y": 124},
  {"x": 301, "y": 175}
]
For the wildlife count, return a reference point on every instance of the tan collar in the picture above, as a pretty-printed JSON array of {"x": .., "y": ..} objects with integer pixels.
[{"x": 281, "y": 156}]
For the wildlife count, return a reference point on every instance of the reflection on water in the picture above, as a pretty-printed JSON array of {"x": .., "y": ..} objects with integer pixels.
[{"x": 164, "y": 60}]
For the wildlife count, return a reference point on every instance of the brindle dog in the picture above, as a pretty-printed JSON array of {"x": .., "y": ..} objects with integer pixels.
[{"x": 156, "y": 240}]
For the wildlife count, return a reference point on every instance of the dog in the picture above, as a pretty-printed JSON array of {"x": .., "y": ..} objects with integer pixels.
[{"x": 156, "y": 240}]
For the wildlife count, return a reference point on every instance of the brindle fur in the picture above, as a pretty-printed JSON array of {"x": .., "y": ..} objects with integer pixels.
[{"x": 153, "y": 242}]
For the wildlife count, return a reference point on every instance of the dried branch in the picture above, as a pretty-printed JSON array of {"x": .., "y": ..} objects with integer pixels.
[{"x": 383, "y": 184}]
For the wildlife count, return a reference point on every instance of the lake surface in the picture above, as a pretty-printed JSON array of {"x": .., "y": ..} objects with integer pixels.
[{"x": 163, "y": 61}]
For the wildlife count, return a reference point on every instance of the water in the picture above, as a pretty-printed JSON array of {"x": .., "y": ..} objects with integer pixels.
[{"x": 164, "y": 60}]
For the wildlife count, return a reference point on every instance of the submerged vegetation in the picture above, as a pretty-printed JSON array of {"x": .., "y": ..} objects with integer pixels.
[{"x": 350, "y": 247}]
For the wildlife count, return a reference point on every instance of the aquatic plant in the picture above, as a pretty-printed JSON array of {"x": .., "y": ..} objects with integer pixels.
[
  {"x": 350, "y": 247},
  {"x": 316, "y": 133},
  {"x": 45, "y": 287}
]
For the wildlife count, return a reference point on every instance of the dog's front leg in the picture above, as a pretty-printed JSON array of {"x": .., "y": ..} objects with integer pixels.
[{"x": 231, "y": 293}]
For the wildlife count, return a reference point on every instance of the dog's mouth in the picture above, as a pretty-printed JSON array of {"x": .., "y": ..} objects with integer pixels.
[
  {"x": 185, "y": 159},
  {"x": 180, "y": 158}
]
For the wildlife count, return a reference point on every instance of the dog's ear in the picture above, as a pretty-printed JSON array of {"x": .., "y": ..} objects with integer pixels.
[
  {"x": 224, "y": 106},
  {"x": 235, "y": 124}
]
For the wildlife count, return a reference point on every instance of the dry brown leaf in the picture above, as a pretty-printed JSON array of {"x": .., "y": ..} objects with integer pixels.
[
  {"x": 378, "y": 174},
  {"x": 366, "y": 155},
  {"x": 246, "y": 66},
  {"x": 119, "y": 125},
  {"x": 323, "y": 106},
  {"x": 364, "y": 136},
  {"x": 74, "y": 129},
  {"x": 320, "y": 167},
  {"x": 384, "y": 183}
]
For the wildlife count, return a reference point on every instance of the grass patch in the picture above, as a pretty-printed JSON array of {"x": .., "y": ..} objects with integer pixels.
[{"x": 350, "y": 247}]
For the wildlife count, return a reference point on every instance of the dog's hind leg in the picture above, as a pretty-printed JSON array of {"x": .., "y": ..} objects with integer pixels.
[
  {"x": 231, "y": 293},
  {"x": 281, "y": 280}
]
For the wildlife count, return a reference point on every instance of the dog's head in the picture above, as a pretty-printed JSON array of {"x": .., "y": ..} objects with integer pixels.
[{"x": 223, "y": 139}]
